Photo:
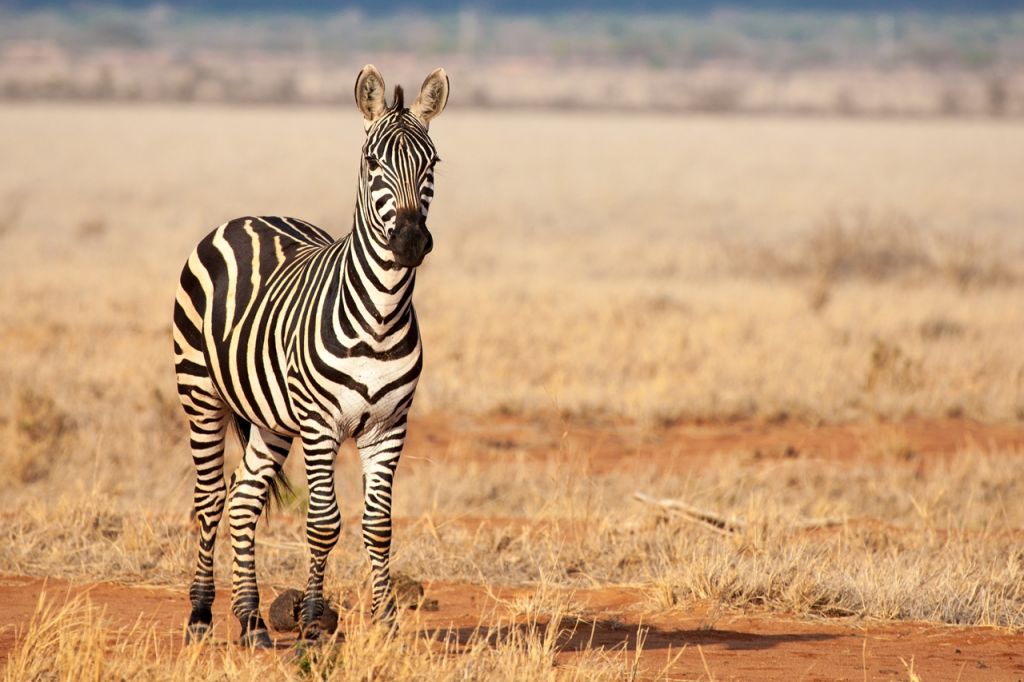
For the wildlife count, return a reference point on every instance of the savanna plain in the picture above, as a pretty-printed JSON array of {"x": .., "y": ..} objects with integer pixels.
[{"x": 704, "y": 397}]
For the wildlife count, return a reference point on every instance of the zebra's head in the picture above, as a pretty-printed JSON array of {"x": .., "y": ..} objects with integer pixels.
[{"x": 397, "y": 171}]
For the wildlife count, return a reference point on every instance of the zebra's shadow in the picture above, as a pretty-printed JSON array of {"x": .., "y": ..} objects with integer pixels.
[{"x": 579, "y": 634}]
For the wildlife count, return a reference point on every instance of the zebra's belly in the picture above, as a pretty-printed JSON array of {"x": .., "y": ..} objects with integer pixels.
[{"x": 267, "y": 409}]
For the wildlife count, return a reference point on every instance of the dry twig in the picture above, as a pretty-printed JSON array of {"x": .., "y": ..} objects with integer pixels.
[{"x": 724, "y": 524}]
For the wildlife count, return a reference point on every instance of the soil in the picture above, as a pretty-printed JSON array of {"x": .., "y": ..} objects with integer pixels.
[
  {"x": 686, "y": 643},
  {"x": 605, "y": 446}
]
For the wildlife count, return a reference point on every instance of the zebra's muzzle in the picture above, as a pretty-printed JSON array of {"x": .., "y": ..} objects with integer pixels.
[{"x": 410, "y": 243}]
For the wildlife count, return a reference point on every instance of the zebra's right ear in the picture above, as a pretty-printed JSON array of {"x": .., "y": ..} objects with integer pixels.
[{"x": 370, "y": 93}]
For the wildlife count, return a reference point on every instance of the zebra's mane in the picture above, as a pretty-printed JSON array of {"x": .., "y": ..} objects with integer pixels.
[{"x": 399, "y": 100}]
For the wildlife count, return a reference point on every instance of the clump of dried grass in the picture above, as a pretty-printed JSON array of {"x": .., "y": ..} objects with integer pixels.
[
  {"x": 880, "y": 246},
  {"x": 74, "y": 640},
  {"x": 35, "y": 432}
]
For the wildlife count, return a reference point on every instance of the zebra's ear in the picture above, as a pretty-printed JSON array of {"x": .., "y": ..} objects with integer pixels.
[
  {"x": 370, "y": 93},
  {"x": 432, "y": 98}
]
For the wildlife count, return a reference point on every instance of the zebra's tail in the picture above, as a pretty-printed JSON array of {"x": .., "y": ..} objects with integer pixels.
[{"x": 280, "y": 487}]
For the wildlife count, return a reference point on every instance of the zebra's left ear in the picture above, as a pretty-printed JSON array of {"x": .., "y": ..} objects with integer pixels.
[{"x": 432, "y": 98}]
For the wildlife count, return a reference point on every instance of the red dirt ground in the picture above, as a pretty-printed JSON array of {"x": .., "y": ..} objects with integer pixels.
[
  {"x": 612, "y": 445},
  {"x": 680, "y": 643},
  {"x": 687, "y": 644}
]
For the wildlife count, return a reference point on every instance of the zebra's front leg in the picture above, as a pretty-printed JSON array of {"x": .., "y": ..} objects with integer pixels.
[
  {"x": 323, "y": 522},
  {"x": 379, "y": 454},
  {"x": 250, "y": 487}
]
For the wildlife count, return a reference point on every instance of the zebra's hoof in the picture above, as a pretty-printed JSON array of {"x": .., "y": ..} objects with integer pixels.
[
  {"x": 256, "y": 639},
  {"x": 310, "y": 634},
  {"x": 197, "y": 633},
  {"x": 389, "y": 622},
  {"x": 306, "y": 644}
]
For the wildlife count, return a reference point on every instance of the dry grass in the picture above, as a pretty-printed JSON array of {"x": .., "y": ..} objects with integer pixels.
[
  {"x": 571, "y": 275},
  {"x": 75, "y": 641},
  {"x": 937, "y": 542},
  {"x": 735, "y": 268}
]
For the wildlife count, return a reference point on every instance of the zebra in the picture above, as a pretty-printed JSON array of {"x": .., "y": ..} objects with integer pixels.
[{"x": 286, "y": 333}]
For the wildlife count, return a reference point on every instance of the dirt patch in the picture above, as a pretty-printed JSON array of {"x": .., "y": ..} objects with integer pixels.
[
  {"x": 607, "y": 446},
  {"x": 686, "y": 642}
]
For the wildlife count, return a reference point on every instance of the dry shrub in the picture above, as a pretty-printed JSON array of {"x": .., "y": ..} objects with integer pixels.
[
  {"x": 879, "y": 247},
  {"x": 891, "y": 369},
  {"x": 36, "y": 434},
  {"x": 969, "y": 262},
  {"x": 842, "y": 246},
  {"x": 938, "y": 327},
  {"x": 885, "y": 575},
  {"x": 864, "y": 246}
]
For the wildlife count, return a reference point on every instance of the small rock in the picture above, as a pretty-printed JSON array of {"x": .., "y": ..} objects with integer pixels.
[
  {"x": 329, "y": 619},
  {"x": 284, "y": 613},
  {"x": 408, "y": 592}
]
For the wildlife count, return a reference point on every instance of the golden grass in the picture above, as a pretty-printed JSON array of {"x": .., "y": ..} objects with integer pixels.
[
  {"x": 937, "y": 543},
  {"x": 646, "y": 268},
  {"x": 75, "y": 641},
  {"x": 697, "y": 279}
]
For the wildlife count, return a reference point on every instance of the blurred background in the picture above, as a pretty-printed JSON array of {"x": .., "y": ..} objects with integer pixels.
[{"x": 940, "y": 58}]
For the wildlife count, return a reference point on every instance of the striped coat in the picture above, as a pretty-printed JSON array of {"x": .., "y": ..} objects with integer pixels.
[{"x": 293, "y": 336}]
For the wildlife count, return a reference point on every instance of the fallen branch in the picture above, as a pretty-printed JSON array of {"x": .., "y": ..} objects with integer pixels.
[{"x": 724, "y": 524}]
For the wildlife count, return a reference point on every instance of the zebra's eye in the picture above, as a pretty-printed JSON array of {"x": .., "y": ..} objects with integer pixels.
[{"x": 372, "y": 162}]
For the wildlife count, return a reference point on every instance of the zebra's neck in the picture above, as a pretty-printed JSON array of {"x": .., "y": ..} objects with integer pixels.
[{"x": 379, "y": 287}]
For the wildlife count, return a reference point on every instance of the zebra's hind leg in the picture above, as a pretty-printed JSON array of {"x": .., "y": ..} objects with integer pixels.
[
  {"x": 323, "y": 521},
  {"x": 379, "y": 454},
  {"x": 207, "y": 431},
  {"x": 250, "y": 487}
]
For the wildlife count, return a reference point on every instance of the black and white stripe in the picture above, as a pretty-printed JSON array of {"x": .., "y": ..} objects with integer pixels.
[{"x": 291, "y": 334}]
